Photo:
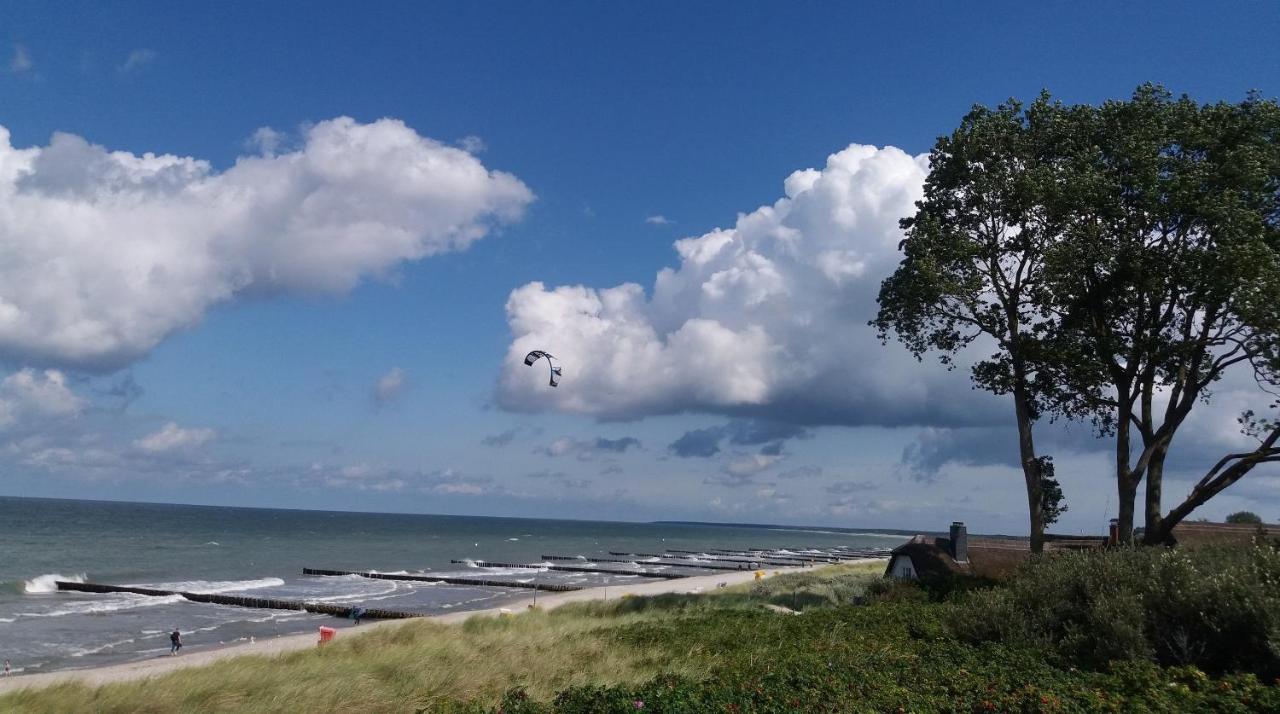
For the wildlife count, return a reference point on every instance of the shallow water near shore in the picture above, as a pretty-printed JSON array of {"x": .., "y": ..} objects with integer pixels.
[{"x": 261, "y": 552}]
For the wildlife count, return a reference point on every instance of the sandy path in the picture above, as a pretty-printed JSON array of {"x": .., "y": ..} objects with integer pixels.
[{"x": 194, "y": 656}]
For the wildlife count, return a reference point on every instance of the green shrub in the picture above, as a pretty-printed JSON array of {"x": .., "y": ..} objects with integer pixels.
[
  {"x": 1215, "y": 608},
  {"x": 883, "y": 658},
  {"x": 933, "y": 588},
  {"x": 1244, "y": 517}
]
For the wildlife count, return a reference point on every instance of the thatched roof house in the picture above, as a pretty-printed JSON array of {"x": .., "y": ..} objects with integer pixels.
[{"x": 957, "y": 554}]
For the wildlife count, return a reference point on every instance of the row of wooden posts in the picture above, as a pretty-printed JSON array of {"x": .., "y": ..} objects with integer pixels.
[{"x": 704, "y": 560}]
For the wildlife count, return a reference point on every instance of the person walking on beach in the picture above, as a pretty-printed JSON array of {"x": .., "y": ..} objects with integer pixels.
[
  {"x": 175, "y": 643},
  {"x": 7, "y": 669}
]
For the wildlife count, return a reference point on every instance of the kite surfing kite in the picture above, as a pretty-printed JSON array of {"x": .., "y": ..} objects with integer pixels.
[{"x": 536, "y": 355}]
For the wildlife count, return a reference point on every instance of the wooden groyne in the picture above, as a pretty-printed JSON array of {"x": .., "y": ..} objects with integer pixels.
[
  {"x": 776, "y": 558},
  {"x": 568, "y": 569},
  {"x": 837, "y": 554},
  {"x": 795, "y": 557},
  {"x": 753, "y": 563},
  {"x": 633, "y": 562},
  {"x": 713, "y": 553},
  {"x": 549, "y": 587},
  {"x": 265, "y": 603}
]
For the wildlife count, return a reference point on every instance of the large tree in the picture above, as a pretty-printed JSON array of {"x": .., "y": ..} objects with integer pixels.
[
  {"x": 973, "y": 268},
  {"x": 1120, "y": 259},
  {"x": 1166, "y": 279}
]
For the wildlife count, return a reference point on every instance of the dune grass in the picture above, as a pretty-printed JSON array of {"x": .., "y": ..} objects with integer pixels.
[{"x": 426, "y": 666}]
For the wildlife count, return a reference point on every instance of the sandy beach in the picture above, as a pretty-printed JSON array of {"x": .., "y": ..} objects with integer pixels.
[{"x": 196, "y": 655}]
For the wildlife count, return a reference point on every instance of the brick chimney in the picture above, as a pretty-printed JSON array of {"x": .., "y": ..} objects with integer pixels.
[{"x": 959, "y": 542}]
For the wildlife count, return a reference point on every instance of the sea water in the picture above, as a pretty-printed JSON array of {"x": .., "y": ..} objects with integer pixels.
[{"x": 261, "y": 553}]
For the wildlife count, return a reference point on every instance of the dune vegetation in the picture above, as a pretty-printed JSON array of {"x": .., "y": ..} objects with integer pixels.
[{"x": 836, "y": 639}]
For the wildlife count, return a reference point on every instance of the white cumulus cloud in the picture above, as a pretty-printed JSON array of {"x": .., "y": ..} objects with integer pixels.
[
  {"x": 767, "y": 318},
  {"x": 28, "y": 393},
  {"x": 172, "y": 437},
  {"x": 105, "y": 253}
]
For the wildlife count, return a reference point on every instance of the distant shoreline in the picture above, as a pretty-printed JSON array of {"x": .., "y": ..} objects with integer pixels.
[
  {"x": 809, "y": 529},
  {"x": 773, "y": 526},
  {"x": 198, "y": 655}
]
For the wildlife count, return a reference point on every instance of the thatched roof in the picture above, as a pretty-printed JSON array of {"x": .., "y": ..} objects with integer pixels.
[{"x": 988, "y": 557}]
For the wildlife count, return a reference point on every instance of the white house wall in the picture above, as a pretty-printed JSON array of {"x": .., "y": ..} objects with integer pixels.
[{"x": 902, "y": 567}]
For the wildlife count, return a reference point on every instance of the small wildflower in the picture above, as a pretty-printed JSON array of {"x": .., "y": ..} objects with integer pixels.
[{"x": 639, "y": 703}]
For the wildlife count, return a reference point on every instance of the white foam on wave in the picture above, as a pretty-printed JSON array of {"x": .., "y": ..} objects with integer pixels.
[
  {"x": 123, "y": 601},
  {"x": 367, "y": 595},
  {"x": 48, "y": 583},
  {"x": 79, "y": 652},
  {"x": 211, "y": 587}
]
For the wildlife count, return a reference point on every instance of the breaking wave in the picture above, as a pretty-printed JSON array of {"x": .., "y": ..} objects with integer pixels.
[
  {"x": 211, "y": 587},
  {"x": 124, "y": 601},
  {"x": 48, "y": 583}
]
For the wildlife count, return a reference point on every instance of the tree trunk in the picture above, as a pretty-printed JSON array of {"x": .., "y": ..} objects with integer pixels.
[
  {"x": 1126, "y": 480},
  {"x": 1030, "y": 468},
  {"x": 1155, "y": 482},
  {"x": 1226, "y": 472},
  {"x": 1127, "y": 489}
]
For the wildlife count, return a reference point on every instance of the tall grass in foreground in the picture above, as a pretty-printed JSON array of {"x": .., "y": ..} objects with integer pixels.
[{"x": 424, "y": 665}]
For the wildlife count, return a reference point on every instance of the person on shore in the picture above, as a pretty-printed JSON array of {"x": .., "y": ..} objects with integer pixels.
[
  {"x": 7, "y": 669},
  {"x": 357, "y": 613},
  {"x": 175, "y": 643}
]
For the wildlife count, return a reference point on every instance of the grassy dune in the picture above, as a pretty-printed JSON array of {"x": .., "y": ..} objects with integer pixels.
[{"x": 425, "y": 665}]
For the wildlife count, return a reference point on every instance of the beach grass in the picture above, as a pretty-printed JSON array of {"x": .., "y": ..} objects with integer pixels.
[{"x": 424, "y": 665}]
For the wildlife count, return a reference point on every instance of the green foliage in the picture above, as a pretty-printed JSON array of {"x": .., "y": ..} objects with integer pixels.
[
  {"x": 1244, "y": 517},
  {"x": 886, "y": 658},
  {"x": 1118, "y": 256},
  {"x": 1166, "y": 272},
  {"x": 973, "y": 256},
  {"x": 973, "y": 267},
  {"x": 928, "y": 588},
  {"x": 1215, "y": 608},
  {"x": 1052, "y": 502}
]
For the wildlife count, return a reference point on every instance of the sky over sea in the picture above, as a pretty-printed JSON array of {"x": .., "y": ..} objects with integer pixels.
[{"x": 292, "y": 255}]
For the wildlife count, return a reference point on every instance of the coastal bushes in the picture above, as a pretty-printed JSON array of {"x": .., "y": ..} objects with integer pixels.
[
  {"x": 1217, "y": 609},
  {"x": 882, "y": 658}
]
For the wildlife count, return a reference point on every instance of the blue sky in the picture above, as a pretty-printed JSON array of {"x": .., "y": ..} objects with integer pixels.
[{"x": 622, "y": 129}]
